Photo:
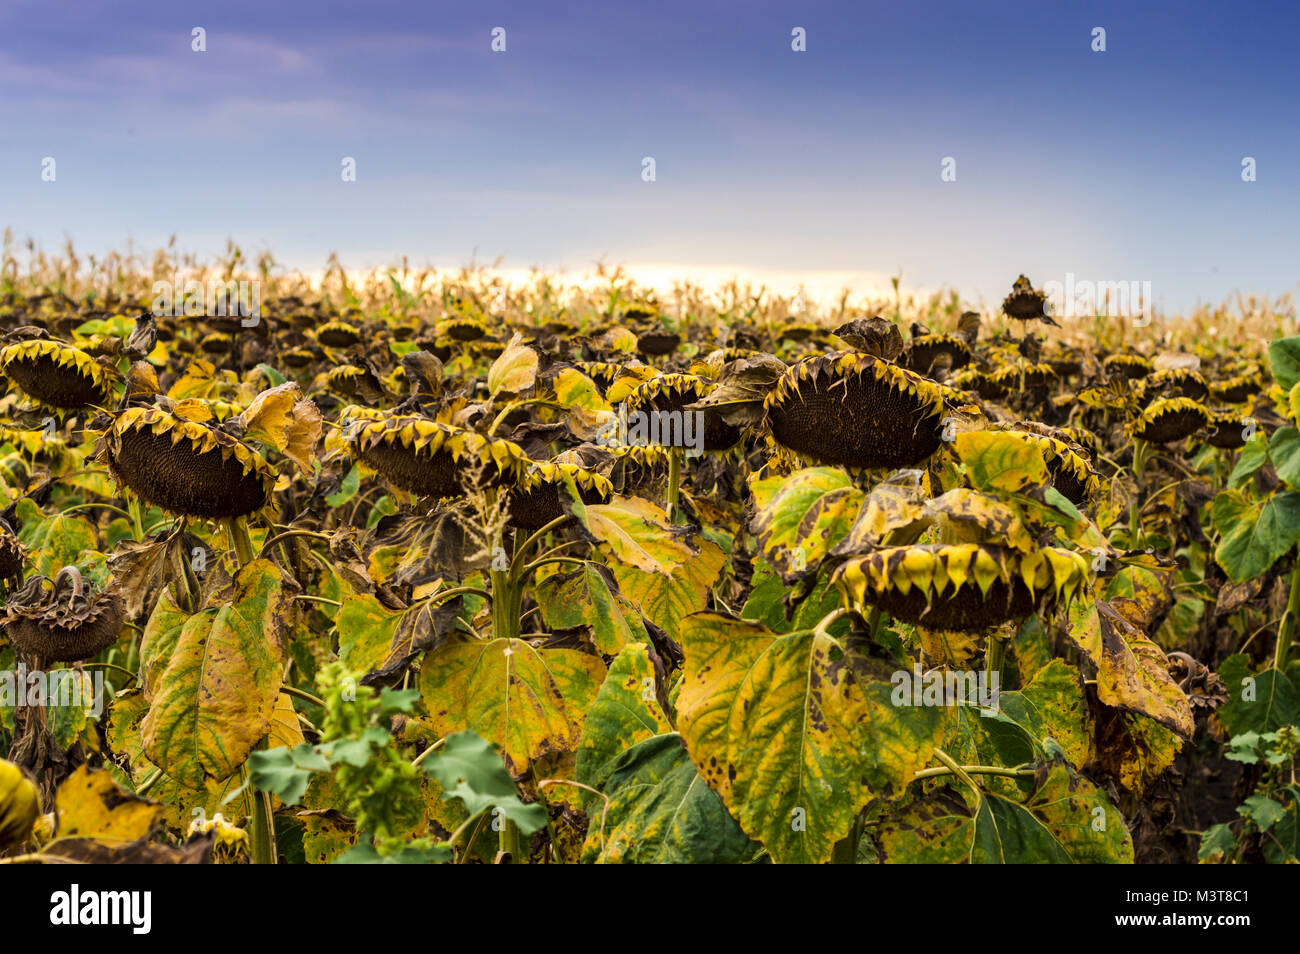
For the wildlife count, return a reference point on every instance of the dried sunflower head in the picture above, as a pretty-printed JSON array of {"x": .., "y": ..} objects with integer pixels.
[
  {"x": 658, "y": 341},
  {"x": 186, "y": 467},
  {"x": 461, "y": 328},
  {"x": 923, "y": 351},
  {"x": 338, "y": 334},
  {"x": 1170, "y": 419},
  {"x": 857, "y": 410},
  {"x": 670, "y": 394},
  {"x": 1239, "y": 388},
  {"x": 966, "y": 587},
  {"x": 430, "y": 459},
  {"x": 1174, "y": 382},
  {"x": 981, "y": 382},
  {"x": 536, "y": 501},
  {"x": 1025, "y": 303},
  {"x": 1072, "y": 475},
  {"x": 56, "y": 374},
  {"x": 1131, "y": 366},
  {"x": 1025, "y": 375},
  {"x": 1227, "y": 430},
  {"x": 218, "y": 342},
  {"x": 65, "y": 622}
]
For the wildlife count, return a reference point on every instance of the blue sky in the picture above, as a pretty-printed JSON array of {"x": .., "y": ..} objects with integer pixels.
[{"x": 1122, "y": 165}]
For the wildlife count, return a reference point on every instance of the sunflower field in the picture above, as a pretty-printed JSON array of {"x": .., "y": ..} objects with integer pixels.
[{"x": 432, "y": 568}]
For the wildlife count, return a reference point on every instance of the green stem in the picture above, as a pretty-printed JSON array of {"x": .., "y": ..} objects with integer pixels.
[
  {"x": 508, "y": 841},
  {"x": 237, "y": 532},
  {"x": 975, "y": 770},
  {"x": 137, "y": 518},
  {"x": 302, "y": 694},
  {"x": 674, "y": 482},
  {"x": 993, "y": 655},
  {"x": 1286, "y": 631}
]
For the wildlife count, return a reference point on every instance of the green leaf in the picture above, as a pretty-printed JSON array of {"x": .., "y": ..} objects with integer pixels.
[
  {"x": 1254, "y": 533},
  {"x": 366, "y": 629},
  {"x": 662, "y": 812},
  {"x": 214, "y": 701},
  {"x": 667, "y": 600},
  {"x": 1284, "y": 361},
  {"x": 800, "y": 517},
  {"x": 1001, "y": 461},
  {"x": 1252, "y": 458},
  {"x": 1284, "y": 452},
  {"x": 782, "y": 729},
  {"x": 285, "y": 772},
  {"x": 585, "y": 598},
  {"x": 626, "y": 711},
  {"x": 469, "y": 769},
  {"x": 1257, "y": 701},
  {"x": 1262, "y": 810},
  {"x": 1217, "y": 842},
  {"x": 528, "y": 701},
  {"x": 55, "y": 541},
  {"x": 347, "y": 489}
]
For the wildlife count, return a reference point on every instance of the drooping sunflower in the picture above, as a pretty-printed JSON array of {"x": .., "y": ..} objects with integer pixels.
[
  {"x": 856, "y": 410},
  {"x": 461, "y": 328},
  {"x": 1131, "y": 366},
  {"x": 65, "y": 623},
  {"x": 1170, "y": 419},
  {"x": 338, "y": 334},
  {"x": 657, "y": 341},
  {"x": 1174, "y": 382},
  {"x": 1070, "y": 471},
  {"x": 186, "y": 467},
  {"x": 981, "y": 382},
  {"x": 1239, "y": 388},
  {"x": 430, "y": 459},
  {"x": 669, "y": 394},
  {"x": 56, "y": 374},
  {"x": 924, "y": 350},
  {"x": 965, "y": 587},
  {"x": 536, "y": 501},
  {"x": 1227, "y": 430}
]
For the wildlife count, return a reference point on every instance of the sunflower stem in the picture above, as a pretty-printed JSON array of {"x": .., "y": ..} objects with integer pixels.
[
  {"x": 237, "y": 532},
  {"x": 1286, "y": 631},
  {"x": 674, "y": 482}
]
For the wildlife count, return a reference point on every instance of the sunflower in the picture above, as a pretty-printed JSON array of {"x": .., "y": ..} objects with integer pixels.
[
  {"x": 186, "y": 467},
  {"x": 1227, "y": 430},
  {"x": 56, "y": 374},
  {"x": 536, "y": 501},
  {"x": 67, "y": 622},
  {"x": 924, "y": 350},
  {"x": 1238, "y": 389},
  {"x": 1131, "y": 366},
  {"x": 461, "y": 328},
  {"x": 966, "y": 587},
  {"x": 857, "y": 410},
  {"x": 429, "y": 459},
  {"x": 668, "y": 394},
  {"x": 981, "y": 382},
  {"x": 1174, "y": 382},
  {"x": 338, "y": 334},
  {"x": 657, "y": 341},
  {"x": 1170, "y": 419}
]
